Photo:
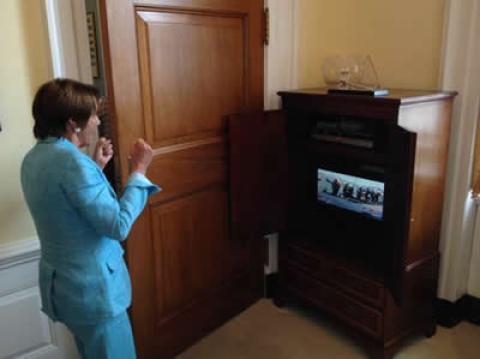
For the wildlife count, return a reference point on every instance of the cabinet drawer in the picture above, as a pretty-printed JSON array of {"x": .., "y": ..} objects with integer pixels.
[
  {"x": 345, "y": 308},
  {"x": 325, "y": 269}
]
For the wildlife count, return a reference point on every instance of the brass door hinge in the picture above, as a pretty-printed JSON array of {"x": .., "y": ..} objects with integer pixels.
[{"x": 266, "y": 26}]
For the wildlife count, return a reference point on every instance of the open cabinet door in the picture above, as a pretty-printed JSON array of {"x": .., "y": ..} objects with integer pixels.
[
  {"x": 398, "y": 196},
  {"x": 258, "y": 173}
]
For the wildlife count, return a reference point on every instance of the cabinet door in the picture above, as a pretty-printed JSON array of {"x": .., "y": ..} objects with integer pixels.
[
  {"x": 398, "y": 195},
  {"x": 258, "y": 173}
]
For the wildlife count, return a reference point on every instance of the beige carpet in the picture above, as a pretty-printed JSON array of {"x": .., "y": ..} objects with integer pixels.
[{"x": 266, "y": 332}]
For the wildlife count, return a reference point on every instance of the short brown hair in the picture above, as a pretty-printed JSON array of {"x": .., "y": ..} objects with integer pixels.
[{"x": 58, "y": 101}]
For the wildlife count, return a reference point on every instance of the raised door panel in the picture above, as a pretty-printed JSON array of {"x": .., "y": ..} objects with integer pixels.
[
  {"x": 191, "y": 254},
  {"x": 193, "y": 68}
]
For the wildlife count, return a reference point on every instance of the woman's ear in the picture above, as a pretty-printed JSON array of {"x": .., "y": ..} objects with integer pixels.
[{"x": 72, "y": 126}]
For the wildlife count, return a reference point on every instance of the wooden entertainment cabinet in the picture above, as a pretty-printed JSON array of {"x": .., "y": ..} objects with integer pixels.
[{"x": 376, "y": 276}]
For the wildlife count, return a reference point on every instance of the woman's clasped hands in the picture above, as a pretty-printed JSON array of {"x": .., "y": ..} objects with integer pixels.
[{"x": 140, "y": 156}]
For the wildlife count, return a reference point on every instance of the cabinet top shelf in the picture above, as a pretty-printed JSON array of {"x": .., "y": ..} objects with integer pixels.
[
  {"x": 395, "y": 96},
  {"x": 317, "y": 100}
]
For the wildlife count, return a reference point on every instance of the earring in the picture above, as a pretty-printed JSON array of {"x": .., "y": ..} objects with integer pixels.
[{"x": 78, "y": 130}]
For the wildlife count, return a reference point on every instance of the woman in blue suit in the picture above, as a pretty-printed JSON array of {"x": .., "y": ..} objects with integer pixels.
[{"x": 80, "y": 221}]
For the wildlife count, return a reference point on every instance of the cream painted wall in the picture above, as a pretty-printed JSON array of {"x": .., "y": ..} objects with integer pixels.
[
  {"x": 24, "y": 65},
  {"x": 404, "y": 38}
]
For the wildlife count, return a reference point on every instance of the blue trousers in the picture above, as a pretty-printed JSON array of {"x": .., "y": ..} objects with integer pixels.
[{"x": 111, "y": 339}]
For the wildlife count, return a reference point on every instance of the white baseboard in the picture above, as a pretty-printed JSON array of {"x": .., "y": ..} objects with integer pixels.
[{"x": 25, "y": 332}]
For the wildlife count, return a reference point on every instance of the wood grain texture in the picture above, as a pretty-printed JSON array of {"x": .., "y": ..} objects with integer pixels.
[
  {"x": 431, "y": 123},
  {"x": 176, "y": 70},
  {"x": 181, "y": 91},
  {"x": 191, "y": 253}
]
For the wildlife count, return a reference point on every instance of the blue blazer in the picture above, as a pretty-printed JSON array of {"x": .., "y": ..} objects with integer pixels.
[{"x": 80, "y": 223}]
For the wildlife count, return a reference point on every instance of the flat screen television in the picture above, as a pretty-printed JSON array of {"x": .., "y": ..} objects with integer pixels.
[{"x": 356, "y": 194}]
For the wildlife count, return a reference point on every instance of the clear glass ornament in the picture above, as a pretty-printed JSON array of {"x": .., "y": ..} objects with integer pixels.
[{"x": 350, "y": 72}]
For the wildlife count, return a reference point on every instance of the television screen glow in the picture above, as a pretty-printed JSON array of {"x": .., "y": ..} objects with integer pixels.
[{"x": 352, "y": 193}]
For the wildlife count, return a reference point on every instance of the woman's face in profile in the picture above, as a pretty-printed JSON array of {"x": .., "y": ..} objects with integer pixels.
[{"x": 89, "y": 131}]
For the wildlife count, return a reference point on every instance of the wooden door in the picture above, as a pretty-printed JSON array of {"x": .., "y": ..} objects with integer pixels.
[{"x": 176, "y": 68}]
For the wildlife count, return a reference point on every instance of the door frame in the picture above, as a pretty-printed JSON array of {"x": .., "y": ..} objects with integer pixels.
[
  {"x": 68, "y": 38},
  {"x": 281, "y": 54}
]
